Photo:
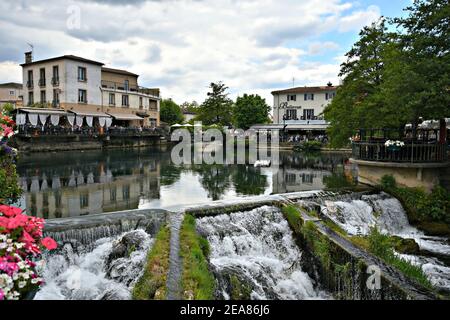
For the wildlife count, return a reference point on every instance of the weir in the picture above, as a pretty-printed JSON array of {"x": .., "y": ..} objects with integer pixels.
[{"x": 255, "y": 251}]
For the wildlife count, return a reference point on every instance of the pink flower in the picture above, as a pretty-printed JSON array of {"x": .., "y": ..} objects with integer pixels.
[
  {"x": 10, "y": 211},
  {"x": 49, "y": 243}
]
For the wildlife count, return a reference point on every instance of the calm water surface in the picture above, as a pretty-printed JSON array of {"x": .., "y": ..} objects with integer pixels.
[{"x": 77, "y": 183}]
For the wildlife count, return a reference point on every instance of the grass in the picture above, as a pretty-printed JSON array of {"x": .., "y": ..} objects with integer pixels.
[
  {"x": 198, "y": 282},
  {"x": 152, "y": 284},
  {"x": 376, "y": 243}
]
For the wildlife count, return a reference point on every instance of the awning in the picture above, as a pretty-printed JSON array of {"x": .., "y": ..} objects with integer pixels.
[
  {"x": 90, "y": 114},
  {"x": 142, "y": 114},
  {"x": 43, "y": 111},
  {"x": 125, "y": 116}
]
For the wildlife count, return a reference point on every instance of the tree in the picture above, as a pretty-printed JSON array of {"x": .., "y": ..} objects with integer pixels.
[
  {"x": 357, "y": 101},
  {"x": 190, "y": 106},
  {"x": 395, "y": 78},
  {"x": 250, "y": 110},
  {"x": 217, "y": 108},
  {"x": 170, "y": 112}
]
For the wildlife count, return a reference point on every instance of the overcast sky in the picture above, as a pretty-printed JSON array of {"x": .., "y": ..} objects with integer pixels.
[{"x": 180, "y": 46}]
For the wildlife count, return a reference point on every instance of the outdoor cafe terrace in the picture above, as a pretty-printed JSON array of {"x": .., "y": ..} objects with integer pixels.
[
  {"x": 36, "y": 122},
  {"x": 429, "y": 143}
]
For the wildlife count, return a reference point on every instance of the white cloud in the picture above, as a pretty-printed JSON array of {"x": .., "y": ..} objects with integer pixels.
[{"x": 254, "y": 46}]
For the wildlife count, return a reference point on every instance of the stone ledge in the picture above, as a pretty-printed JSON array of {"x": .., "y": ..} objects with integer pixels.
[{"x": 400, "y": 164}]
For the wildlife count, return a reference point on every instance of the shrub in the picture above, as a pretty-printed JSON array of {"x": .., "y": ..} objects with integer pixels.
[{"x": 388, "y": 181}]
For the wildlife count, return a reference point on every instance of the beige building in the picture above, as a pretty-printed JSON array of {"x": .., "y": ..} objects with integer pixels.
[
  {"x": 11, "y": 92},
  {"x": 88, "y": 89}
]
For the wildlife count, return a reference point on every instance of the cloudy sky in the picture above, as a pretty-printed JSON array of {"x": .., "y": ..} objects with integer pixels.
[{"x": 180, "y": 46}]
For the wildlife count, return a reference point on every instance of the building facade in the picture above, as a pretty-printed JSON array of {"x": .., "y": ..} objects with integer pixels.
[
  {"x": 301, "y": 108},
  {"x": 11, "y": 92},
  {"x": 87, "y": 88}
]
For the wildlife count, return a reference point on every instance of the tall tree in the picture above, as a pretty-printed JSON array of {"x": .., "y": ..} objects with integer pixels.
[
  {"x": 357, "y": 102},
  {"x": 170, "y": 112},
  {"x": 250, "y": 110},
  {"x": 217, "y": 108}
]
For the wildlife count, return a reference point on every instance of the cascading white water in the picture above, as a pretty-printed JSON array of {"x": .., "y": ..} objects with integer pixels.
[
  {"x": 381, "y": 210},
  {"x": 85, "y": 274},
  {"x": 258, "y": 246}
]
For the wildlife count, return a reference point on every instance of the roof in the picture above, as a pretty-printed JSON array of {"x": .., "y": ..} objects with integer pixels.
[
  {"x": 69, "y": 57},
  {"x": 306, "y": 89},
  {"x": 43, "y": 111},
  {"x": 125, "y": 116},
  {"x": 119, "y": 71},
  {"x": 11, "y": 85}
]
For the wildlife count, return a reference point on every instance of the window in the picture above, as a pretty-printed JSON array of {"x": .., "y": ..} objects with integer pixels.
[
  {"x": 308, "y": 114},
  {"x": 309, "y": 96},
  {"x": 82, "y": 74},
  {"x": 82, "y": 96},
  {"x": 55, "y": 97},
  {"x": 291, "y": 114},
  {"x": 30, "y": 97},
  {"x": 113, "y": 194},
  {"x": 42, "y": 77},
  {"x": 55, "y": 78},
  {"x": 330, "y": 95},
  {"x": 126, "y": 85},
  {"x": 125, "y": 100},
  {"x": 126, "y": 192},
  {"x": 30, "y": 79},
  {"x": 11, "y": 92},
  {"x": 141, "y": 102},
  {"x": 112, "y": 99},
  {"x": 43, "y": 97},
  {"x": 292, "y": 97},
  {"x": 84, "y": 200}
]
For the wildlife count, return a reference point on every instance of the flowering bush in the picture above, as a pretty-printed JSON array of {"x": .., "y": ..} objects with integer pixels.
[
  {"x": 21, "y": 243},
  {"x": 392, "y": 143},
  {"x": 6, "y": 127}
]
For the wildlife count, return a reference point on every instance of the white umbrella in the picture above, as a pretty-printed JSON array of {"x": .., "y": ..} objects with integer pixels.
[
  {"x": 176, "y": 125},
  {"x": 187, "y": 125}
]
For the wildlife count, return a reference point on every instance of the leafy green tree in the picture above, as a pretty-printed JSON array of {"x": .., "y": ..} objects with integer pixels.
[
  {"x": 357, "y": 102},
  {"x": 250, "y": 110},
  {"x": 391, "y": 79},
  {"x": 217, "y": 108},
  {"x": 170, "y": 112}
]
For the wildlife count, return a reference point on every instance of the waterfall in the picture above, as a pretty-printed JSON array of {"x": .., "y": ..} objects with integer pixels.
[
  {"x": 356, "y": 216},
  {"x": 257, "y": 248},
  {"x": 106, "y": 269}
]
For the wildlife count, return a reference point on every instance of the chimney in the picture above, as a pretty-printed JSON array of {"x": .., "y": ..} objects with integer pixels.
[{"x": 29, "y": 57}]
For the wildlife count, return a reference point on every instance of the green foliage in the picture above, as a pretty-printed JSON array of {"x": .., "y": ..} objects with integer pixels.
[
  {"x": 250, "y": 110},
  {"x": 197, "y": 280},
  {"x": 388, "y": 181},
  {"x": 8, "y": 109},
  {"x": 152, "y": 284},
  {"x": 381, "y": 246},
  {"x": 292, "y": 215},
  {"x": 309, "y": 146},
  {"x": 217, "y": 108},
  {"x": 170, "y": 112},
  {"x": 392, "y": 78},
  {"x": 421, "y": 206},
  {"x": 10, "y": 190}
]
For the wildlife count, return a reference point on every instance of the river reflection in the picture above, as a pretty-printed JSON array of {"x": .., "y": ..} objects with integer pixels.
[{"x": 79, "y": 183}]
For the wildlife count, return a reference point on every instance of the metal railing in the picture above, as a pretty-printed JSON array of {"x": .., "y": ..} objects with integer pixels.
[
  {"x": 411, "y": 152},
  {"x": 129, "y": 88}
]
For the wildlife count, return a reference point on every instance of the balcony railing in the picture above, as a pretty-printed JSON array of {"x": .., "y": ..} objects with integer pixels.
[
  {"x": 41, "y": 82},
  {"x": 55, "y": 81},
  {"x": 30, "y": 84},
  {"x": 129, "y": 88},
  {"x": 409, "y": 153},
  {"x": 55, "y": 103}
]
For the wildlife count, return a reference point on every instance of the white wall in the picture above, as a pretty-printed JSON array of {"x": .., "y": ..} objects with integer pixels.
[
  {"x": 318, "y": 104},
  {"x": 72, "y": 85}
]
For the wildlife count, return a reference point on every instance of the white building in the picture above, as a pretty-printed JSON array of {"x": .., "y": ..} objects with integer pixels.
[
  {"x": 301, "y": 108},
  {"x": 88, "y": 89}
]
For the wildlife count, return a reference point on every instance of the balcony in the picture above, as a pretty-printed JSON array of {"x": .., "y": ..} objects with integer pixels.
[
  {"x": 55, "y": 81},
  {"x": 30, "y": 84},
  {"x": 41, "y": 82},
  {"x": 129, "y": 88},
  {"x": 55, "y": 103}
]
